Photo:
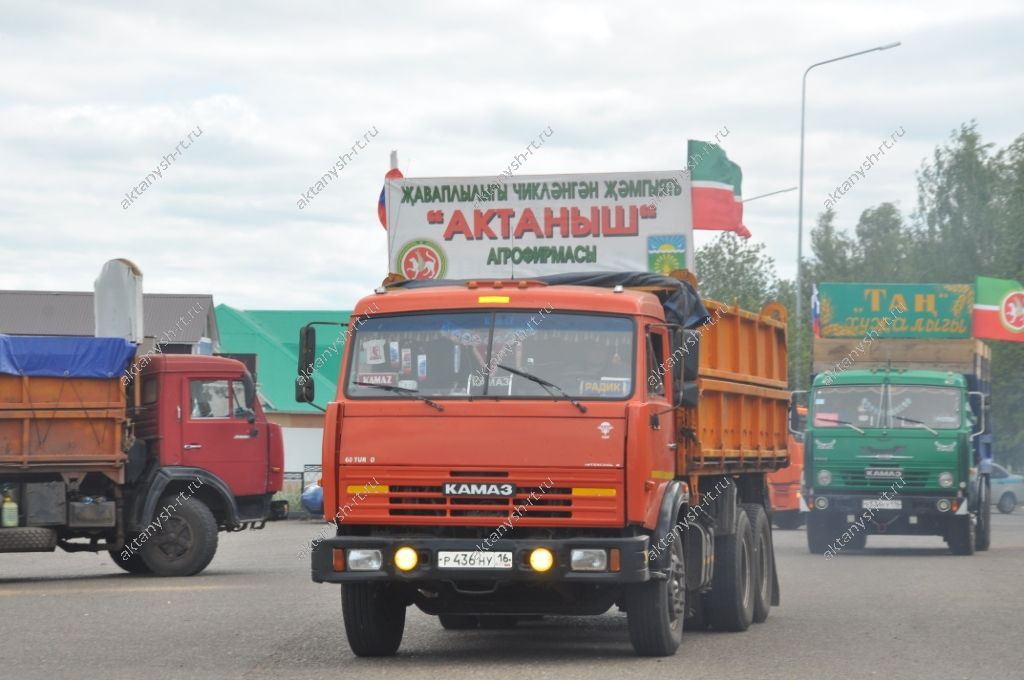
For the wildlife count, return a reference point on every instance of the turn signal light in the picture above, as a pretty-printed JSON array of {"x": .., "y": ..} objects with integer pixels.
[{"x": 338, "y": 559}]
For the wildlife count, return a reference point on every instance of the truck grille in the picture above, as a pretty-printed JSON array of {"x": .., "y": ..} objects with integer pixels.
[
  {"x": 411, "y": 496},
  {"x": 912, "y": 479}
]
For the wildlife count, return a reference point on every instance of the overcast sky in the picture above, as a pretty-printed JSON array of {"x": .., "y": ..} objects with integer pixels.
[{"x": 92, "y": 98}]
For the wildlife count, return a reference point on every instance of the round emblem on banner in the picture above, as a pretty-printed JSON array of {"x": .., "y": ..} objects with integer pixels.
[
  {"x": 1011, "y": 312},
  {"x": 422, "y": 259}
]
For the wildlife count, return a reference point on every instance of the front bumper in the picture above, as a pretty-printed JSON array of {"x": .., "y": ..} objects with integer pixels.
[
  {"x": 632, "y": 550},
  {"x": 919, "y": 505}
]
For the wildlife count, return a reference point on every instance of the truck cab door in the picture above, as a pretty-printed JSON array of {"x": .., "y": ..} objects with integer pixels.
[
  {"x": 658, "y": 386},
  {"x": 216, "y": 434}
]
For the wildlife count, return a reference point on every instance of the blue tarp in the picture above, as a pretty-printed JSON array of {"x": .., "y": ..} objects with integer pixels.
[{"x": 60, "y": 357}]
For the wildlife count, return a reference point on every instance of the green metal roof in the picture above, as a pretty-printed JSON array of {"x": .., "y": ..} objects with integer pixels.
[
  {"x": 896, "y": 376},
  {"x": 273, "y": 335}
]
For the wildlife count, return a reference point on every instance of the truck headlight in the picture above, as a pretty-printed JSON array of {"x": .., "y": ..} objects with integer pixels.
[
  {"x": 945, "y": 479},
  {"x": 364, "y": 560},
  {"x": 588, "y": 559},
  {"x": 824, "y": 477}
]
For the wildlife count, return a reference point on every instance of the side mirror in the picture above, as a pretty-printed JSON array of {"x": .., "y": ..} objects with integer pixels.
[
  {"x": 689, "y": 395},
  {"x": 304, "y": 388},
  {"x": 797, "y": 422}
]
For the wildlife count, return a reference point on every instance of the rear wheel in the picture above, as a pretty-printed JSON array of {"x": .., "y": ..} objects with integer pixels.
[
  {"x": 374, "y": 616},
  {"x": 731, "y": 600},
  {"x": 983, "y": 536},
  {"x": 1007, "y": 503},
  {"x": 961, "y": 535},
  {"x": 186, "y": 541},
  {"x": 458, "y": 621},
  {"x": 133, "y": 563},
  {"x": 819, "y": 533},
  {"x": 655, "y": 610},
  {"x": 762, "y": 561}
]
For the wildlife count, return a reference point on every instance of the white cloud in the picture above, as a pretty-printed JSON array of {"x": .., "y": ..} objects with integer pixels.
[{"x": 91, "y": 98}]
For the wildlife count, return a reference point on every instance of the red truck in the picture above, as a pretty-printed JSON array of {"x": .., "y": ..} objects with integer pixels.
[{"x": 147, "y": 463}]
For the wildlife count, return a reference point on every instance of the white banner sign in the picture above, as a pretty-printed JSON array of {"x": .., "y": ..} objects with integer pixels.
[{"x": 472, "y": 227}]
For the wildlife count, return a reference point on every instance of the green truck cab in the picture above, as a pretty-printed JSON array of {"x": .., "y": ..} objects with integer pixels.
[{"x": 892, "y": 451}]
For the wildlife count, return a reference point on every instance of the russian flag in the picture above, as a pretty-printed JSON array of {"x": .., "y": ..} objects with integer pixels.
[
  {"x": 816, "y": 312},
  {"x": 393, "y": 173}
]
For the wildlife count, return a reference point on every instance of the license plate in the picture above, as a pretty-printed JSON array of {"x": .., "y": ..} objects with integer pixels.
[
  {"x": 879, "y": 504},
  {"x": 473, "y": 559}
]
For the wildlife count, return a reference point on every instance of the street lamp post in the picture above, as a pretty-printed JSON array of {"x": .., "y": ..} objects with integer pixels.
[{"x": 800, "y": 209}]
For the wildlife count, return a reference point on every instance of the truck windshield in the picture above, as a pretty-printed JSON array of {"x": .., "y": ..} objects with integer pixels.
[
  {"x": 887, "y": 406},
  {"x": 589, "y": 356},
  {"x": 916, "y": 406},
  {"x": 856, "y": 405}
]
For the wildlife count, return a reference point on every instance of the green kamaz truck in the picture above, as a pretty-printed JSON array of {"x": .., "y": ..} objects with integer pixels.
[{"x": 897, "y": 444}]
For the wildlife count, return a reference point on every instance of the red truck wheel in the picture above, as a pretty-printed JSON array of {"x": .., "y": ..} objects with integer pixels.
[
  {"x": 655, "y": 610},
  {"x": 185, "y": 542},
  {"x": 731, "y": 600},
  {"x": 374, "y": 616}
]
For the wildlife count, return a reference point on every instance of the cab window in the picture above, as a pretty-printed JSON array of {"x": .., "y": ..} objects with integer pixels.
[{"x": 210, "y": 398}]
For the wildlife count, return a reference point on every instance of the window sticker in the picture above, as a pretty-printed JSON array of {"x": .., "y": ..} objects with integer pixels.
[{"x": 374, "y": 350}]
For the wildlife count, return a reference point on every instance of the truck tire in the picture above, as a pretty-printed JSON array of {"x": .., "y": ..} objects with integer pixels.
[
  {"x": 983, "y": 534},
  {"x": 186, "y": 541},
  {"x": 961, "y": 535},
  {"x": 133, "y": 565},
  {"x": 819, "y": 533},
  {"x": 763, "y": 562},
  {"x": 458, "y": 621},
  {"x": 1007, "y": 503},
  {"x": 790, "y": 520},
  {"x": 655, "y": 610},
  {"x": 731, "y": 600},
  {"x": 374, "y": 617}
]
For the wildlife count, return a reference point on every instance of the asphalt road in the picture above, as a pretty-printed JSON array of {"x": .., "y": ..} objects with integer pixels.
[{"x": 905, "y": 608}]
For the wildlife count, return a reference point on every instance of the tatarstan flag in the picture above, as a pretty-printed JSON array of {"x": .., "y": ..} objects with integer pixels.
[
  {"x": 998, "y": 309},
  {"x": 715, "y": 182}
]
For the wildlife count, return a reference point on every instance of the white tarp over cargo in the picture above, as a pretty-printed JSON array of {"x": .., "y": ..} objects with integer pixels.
[{"x": 468, "y": 227}]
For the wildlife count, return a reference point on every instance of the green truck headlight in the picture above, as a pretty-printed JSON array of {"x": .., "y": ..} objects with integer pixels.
[
  {"x": 945, "y": 479},
  {"x": 824, "y": 477}
]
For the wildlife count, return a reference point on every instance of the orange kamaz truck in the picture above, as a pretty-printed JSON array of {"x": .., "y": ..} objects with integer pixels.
[{"x": 503, "y": 450}]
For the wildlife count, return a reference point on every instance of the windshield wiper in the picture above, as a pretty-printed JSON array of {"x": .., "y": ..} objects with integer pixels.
[
  {"x": 840, "y": 422},
  {"x": 545, "y": 384},
  {"x": 916, "y": 422},
  {"x": 401, "y": 390}
]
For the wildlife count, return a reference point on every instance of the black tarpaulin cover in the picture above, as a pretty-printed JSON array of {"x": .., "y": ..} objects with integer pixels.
[{"x": 681, "y": 302}]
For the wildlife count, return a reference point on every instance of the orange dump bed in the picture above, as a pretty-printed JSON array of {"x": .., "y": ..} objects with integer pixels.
[
  {"x": 66, "y": 425},
  {"x": 740, "y": 423}
]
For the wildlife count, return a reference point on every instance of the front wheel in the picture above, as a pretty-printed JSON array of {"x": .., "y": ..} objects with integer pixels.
[
  {"x": 961, "y": 535},
  {"x": 820, "y": 534},
  {"x": 374, "y": 616},
  {"x": 983, "y": 538},
  {"x": 655, "y": 610},
  {"x": 790, "y": 520},
  {"x": 132, "y": 563},
  {"x": 186, "y": 540},
  {"x": 1007, "y": 503}
]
